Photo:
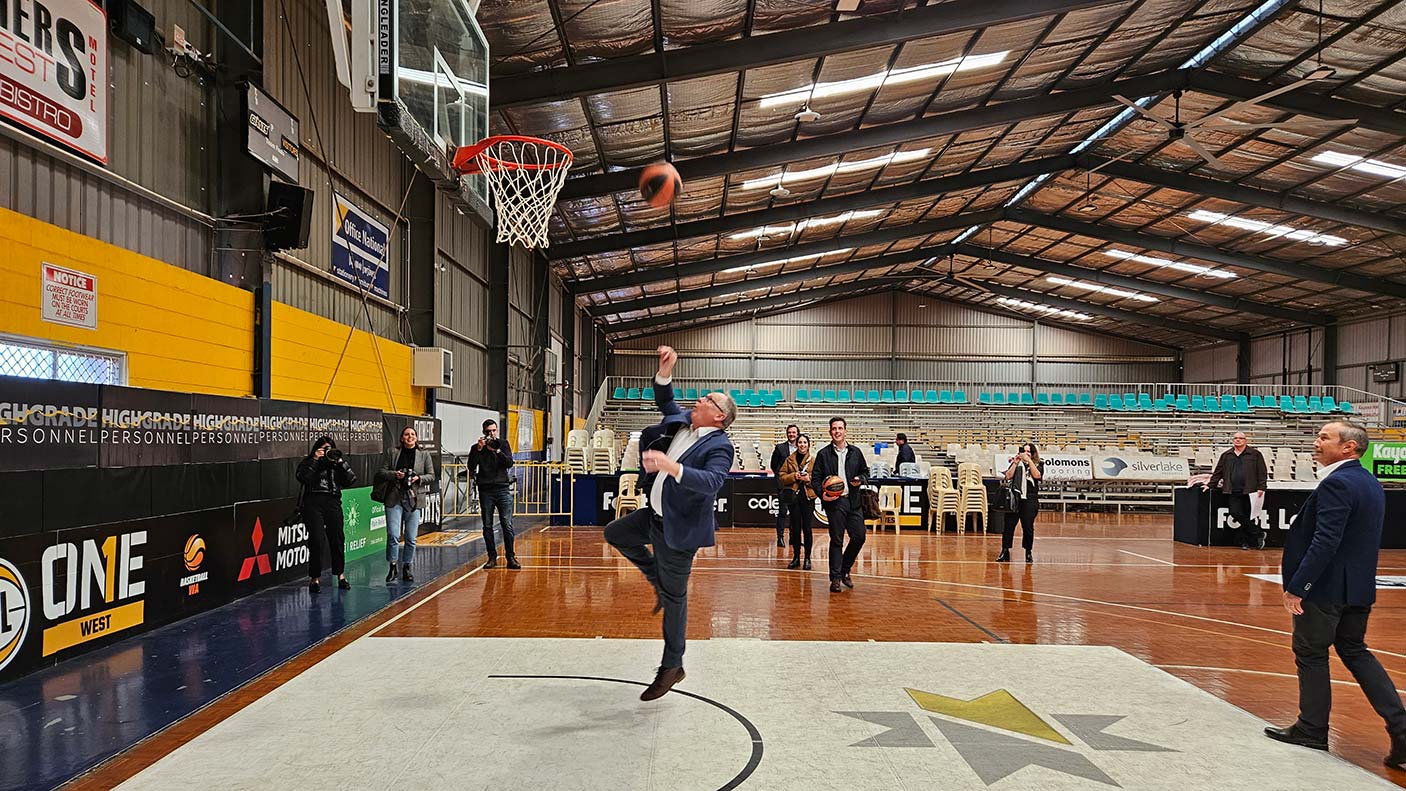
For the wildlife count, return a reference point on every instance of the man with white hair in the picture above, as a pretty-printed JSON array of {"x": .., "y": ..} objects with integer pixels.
[
  {"x": 1241, "y": 472},
  {"x": 686, "y": 460}
]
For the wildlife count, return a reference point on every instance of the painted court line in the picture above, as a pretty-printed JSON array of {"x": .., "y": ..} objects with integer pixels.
[
  {"x": 421, "y": 602},
  {"x": 1146, "y": 557},
  {"x": 1252, "y": 672}
]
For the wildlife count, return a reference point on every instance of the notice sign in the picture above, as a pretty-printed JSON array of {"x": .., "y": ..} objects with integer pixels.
[
  {"x": 70, "y": 297},
  {"x": 359, "y": 242},
  {"x": 53, "y": 71}
]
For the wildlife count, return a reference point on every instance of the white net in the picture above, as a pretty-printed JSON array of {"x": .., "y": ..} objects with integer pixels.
[{"x": 524, "y": 178}]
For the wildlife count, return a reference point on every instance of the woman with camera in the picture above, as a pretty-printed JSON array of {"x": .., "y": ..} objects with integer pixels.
[
  {"x": 799, "y": 495},
  {"x": 408, "y": 470},
  {"x": 1023, "y": 477},
  {"x": 324, "y": 473}
]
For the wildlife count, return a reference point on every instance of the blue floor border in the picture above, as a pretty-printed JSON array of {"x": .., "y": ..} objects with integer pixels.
[{"x": 59, "y": 722}]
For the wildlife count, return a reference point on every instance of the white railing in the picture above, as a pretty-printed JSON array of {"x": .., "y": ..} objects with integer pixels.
[{"x": 1371, "y": 408}]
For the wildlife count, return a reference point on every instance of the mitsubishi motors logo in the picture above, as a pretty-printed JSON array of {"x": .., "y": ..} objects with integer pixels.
[{"x": 260, "y": 558}]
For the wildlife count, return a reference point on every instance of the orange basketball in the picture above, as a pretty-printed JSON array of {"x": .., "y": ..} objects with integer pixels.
[
  {"x": 832, "y": 489},
  {"x": 660, "y": 184}
]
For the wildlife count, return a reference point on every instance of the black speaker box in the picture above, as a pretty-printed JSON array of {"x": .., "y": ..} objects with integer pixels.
[
  {"x": 290, "y": 216},
  {"x": 133, "y": 24}
]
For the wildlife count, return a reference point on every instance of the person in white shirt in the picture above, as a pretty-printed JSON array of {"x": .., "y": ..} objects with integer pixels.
[{"x": 686, "y": 460}]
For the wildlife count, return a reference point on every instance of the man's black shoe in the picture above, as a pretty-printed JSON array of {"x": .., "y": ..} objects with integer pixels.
[
  {"x": 513, "y": 564},
  {"x": 848, "y": 583},
  {"x": 1396, "y": 759},
  {"x": 405, "y": 573},
  {"x": 664, "y": 681},
  {"x": 492, "y": 563},
  {"x": 835, "y": 586},
  {"x": 1292, "y": 735}
]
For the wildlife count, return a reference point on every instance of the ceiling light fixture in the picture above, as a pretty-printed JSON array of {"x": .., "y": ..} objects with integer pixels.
[
  {"x": 1100, "y": 289},
  {"x": 1268, "y": 229},
  {"x": 791, "y": 260},
  {"x": 1376, "y": 167},
  {"x": 1170, "y": 264},
  {"x": 925, "y": 73},
  {"x": 1045, "y": 309},
  {"x": 894, "y": 158},
  {"x": 809, "y": 222}
]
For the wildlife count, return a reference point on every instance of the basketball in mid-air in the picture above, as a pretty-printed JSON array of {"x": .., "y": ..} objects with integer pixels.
[
  {"x": 660, "y": 184},
  {"x": 831, "y": 490}
]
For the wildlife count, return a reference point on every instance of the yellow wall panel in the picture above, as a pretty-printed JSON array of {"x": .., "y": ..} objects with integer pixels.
[
  {"x": 306, "y": 349},
  {"x": 180, "y": 330}
]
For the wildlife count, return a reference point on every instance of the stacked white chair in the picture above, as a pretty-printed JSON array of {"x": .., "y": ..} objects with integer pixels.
[
  {"x": 603, "y": 459},
  {"x": 577, "y": 443},
  {"x": 630, "y": 459}
]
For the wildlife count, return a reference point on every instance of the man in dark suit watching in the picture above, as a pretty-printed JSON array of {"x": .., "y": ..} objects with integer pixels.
[
  {"x": 905, "y": 451},
  {"x": 686, "y": 460},
  {"x": 1240, "y": 473},
  {"x": 778, "y": 458},
  {"x": 845, "y": 513},
  {"x": 1330, "y": 584}
]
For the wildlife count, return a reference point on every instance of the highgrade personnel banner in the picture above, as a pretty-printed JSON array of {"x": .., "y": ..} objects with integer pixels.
[
  {"x": 53, "y": 72},
  {"x": 284, "y": 433},
  {"x": 1058, "y": 466},
  {"x": 47, "y": 425},
  {"x": 1140, "y": 467},
  {"x": 144, "y": 428},
  {"x": 224, "y": 429}
]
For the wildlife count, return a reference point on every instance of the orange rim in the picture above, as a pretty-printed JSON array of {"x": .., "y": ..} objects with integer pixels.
[{"x": 466, "y": 159}]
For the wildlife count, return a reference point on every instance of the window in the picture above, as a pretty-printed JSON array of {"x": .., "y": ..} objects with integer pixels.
[{"x": 35, "y": 359}]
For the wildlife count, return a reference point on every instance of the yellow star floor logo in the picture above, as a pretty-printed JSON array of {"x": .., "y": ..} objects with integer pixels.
[{"x": 994, "y": 755}]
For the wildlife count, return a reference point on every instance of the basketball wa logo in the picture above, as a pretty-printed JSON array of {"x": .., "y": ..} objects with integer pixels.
[{"x": 14, "y": 612}]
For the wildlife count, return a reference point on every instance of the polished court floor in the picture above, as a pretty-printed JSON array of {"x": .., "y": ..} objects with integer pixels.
[{"x": 1119, "y": 659}]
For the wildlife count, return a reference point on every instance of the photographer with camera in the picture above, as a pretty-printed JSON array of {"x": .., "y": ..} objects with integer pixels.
[
  {"x": 409, "y": 471},
  {"x": 324, "y": 473},
  {"x": 489, "y": 463}
]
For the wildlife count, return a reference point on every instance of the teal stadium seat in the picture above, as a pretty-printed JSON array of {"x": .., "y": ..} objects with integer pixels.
[
  {"x": 843, "y": 396},
  {"x": 1086, "y": 399},
  {"x": 1115, "y": 402},
  {"x": 876, "y": 397},
  {"x": 831, "y": 397},
  {"x": 860, "y": 397},
  {"x": 940, "y": 397},
  {"x": 1256, "y": 401},
  {"x": 1160, "y": 405},
  {"x": 1101, "y": 401},
  {"x": 802, "y": 396},
  {"x": 1300, "y": 403},
  {"x": 1144, "y": 400},
  {"x": 1043, "y": 399},
  {"x": 887, "y": 397},
  {"x": 619, "y": 393},
  {"x": 1013, "y": 398},
  {"x": 1269, "y": 402},
  {"x": 1329, "y": 405},
  {"x": 1315, "y": 404},
  {"x": 691, "y": 393},
  {"x": 647, "y": 394},
  {"x": 998, "y": 398},
  {"x": 1346, "y": 407},
  {"x": 901, "y": 396},
  {"x": 1057, "y": 399},
  {"x": 983, "y": 398},
  {"x": 633, "y": 394},
  {"x": 916, "y": 397},
  {"x": 959, "y": 397}
]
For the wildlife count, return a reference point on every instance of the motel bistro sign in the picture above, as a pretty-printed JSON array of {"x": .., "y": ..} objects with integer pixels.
[{"x": 53, "y": 71}]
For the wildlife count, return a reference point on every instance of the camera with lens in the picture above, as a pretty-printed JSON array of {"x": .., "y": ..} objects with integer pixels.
[
  {"x": 334, "y": 454},
  {"x": 489, "y": 442}
]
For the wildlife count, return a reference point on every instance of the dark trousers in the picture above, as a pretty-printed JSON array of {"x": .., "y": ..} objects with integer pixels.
[
  {"x": 1025, "y": 513},
  {"x": 845, "y": 517},
  {"x": 802, "y": 514},
  {"x": 783, "y": 518},
  {"x": 500, "y": 497},
  {"x": 322, "y": 513},
  {"x": 1344, "y": 628},
  {"x": 1239, "y": 507},
  {"x": 666, "y": 568}
]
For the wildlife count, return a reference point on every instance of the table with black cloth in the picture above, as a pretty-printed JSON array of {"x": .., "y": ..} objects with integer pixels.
[{"x": 1203, "y": 517}]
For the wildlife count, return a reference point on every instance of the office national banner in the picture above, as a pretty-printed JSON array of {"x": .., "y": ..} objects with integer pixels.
[{"x": 364, "y": 521}]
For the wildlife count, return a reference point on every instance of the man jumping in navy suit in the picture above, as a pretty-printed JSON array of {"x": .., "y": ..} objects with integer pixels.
[
  {"x": 1330, "y": 584},
  {"x": 686, "y": 460}
]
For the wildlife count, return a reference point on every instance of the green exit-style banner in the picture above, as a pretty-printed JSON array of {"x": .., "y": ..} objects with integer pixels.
[{"x": 1386, "y": 460}]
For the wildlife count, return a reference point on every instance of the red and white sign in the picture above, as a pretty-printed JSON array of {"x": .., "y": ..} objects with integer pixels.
[
  {"x": 70, "y": 297},
  {"x": 53, "y": 71}
]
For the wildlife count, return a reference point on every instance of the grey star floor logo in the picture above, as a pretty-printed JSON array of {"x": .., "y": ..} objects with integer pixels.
[{"x": 1028, "y": 739}]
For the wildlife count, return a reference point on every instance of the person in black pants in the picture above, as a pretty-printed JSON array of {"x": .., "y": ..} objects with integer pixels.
[
  {"x": 844, "y": 510},
  {"x": 1329, "y": 571},
  {"x": 489, "y": 462},
  {"x": 797, "y": 480},
  {"x": 1240, "y": 472},
  {"x": 1024, "y": 476},
  {"x": 779, "y": 454},
  {"x": 324, "y": 473}
]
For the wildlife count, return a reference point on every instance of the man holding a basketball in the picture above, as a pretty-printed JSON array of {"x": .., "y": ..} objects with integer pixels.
[
  {"x": 843, "y": 470},
  {"x": 686, "y": 460}
]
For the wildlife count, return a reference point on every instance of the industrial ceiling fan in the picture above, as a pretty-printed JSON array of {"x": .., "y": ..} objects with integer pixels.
[{"x": 1180, "y": 131}]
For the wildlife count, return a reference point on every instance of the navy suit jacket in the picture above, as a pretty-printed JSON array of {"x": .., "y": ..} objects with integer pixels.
[
  {"x": 689, "y": 505},
  {"x": 1330, "y": 556}
]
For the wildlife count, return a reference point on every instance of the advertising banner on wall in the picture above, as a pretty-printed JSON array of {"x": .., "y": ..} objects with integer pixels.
[
  {"x": 1139, "y": 467},
  {"x": 224, "y": 429},
  {"x": 364, "y": 521},
  {"x": 53, "y": 75},
  {"x": 47, "y": 425},
  {"x": 1386, "y": 460},
  {"x": 144, "y": 428},
  {"x": 1058, "y": 466},
  {"x": 329, "y": 421},
  {"x": 359, "y": 248},
  {"x": 284, "y": 432},
  {"x": 366, "y": 429}
]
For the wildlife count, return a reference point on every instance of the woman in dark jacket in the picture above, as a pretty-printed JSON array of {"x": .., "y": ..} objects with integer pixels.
[
  {"x": 324, "y": 473},
  {"x": 1024, "y": 476},
  {"x": 412, "y": 469},
  {"x": 795, "y": 477}
]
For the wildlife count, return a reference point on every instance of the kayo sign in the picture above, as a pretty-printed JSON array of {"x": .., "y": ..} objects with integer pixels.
[
  {"x": 53, "y": 71},
  {"x": 1386, "y": 460}
]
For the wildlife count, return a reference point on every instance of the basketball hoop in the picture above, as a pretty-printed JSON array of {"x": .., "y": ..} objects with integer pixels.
[{"x": 524, "y": 176}]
